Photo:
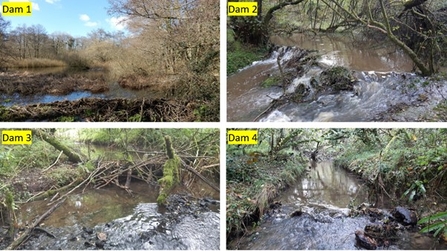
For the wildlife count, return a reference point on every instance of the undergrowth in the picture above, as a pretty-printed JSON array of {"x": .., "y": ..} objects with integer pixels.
[
  {"x": 410, "y": 162},
  {"x": 240, "y": 55},
  {"x": 253, "y": 181}
]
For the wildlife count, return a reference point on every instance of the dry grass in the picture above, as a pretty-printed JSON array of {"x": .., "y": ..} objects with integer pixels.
[
  {"x": 263, "y": 198},
  {"x": 36, "y": 63}
]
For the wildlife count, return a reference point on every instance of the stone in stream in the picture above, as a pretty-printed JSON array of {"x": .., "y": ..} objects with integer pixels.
[
  {"x": 365, "y": 241},
  {"x": 405, "y": 216}
]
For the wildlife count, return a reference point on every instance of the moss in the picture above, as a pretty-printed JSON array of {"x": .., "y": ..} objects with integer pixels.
[
  {"x": 338, "y": 78},
  {"x": 66, "y": 119},
  {"x": 170, "y": 178},
  {"x": 271, "y": 81}
]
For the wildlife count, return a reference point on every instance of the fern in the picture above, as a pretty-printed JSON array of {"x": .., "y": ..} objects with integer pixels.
[{"x": 439, "y": 225}]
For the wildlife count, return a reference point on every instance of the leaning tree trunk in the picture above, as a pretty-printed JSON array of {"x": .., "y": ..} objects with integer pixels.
[
  {"x": 269, "y": 15},
  {"x": 72, "y": 157}
]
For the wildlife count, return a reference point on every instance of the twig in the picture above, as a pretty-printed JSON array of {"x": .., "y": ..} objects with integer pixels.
[
  {"x": 76, "y": 187},
  {"x": 44, "y": 170},
  {"x": 141, "y": 110}
]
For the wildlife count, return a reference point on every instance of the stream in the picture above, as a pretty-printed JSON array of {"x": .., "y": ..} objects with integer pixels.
[
  {"x": 126, "y": 221},
  {"x": 385, "y": 90},
  {"x": 322, "y": 197},
  {"x": 114, "y": 90}
]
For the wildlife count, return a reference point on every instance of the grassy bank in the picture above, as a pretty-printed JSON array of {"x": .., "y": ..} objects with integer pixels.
[
  {"x": 240, "y": 55},
  {"x": 254, "y": 179}
]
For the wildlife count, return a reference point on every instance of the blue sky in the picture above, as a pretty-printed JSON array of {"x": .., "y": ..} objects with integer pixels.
[{"x": 76, "y": 17}]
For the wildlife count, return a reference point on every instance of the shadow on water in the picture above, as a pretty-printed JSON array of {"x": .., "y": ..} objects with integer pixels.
[{"x": 324, "y": 222}]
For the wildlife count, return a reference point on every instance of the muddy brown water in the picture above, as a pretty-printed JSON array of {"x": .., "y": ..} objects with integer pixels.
[
  {"x": 323, "y": 195},
  {"x": 356, "y": 54},
  {"x": 327, "y": 184},
  {"x": 92, "y": 207},
  {"x": 114, "y": 89},
  {"x": 383, "y": 84}
]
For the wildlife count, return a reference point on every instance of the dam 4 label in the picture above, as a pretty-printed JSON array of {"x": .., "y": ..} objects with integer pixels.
[{"x": 244, "y": 137}]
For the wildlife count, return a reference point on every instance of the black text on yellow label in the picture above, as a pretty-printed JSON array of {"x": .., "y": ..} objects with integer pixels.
[
  {"x": 17, "y": 137},
  {"x": 242, "y": 137},
  {"x": 242, "y": 9},
  {"x": 16, "y": 9}
]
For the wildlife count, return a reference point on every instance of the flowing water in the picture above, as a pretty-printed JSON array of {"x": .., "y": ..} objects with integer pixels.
[
  {"x": 383, "y": 84},
  {"x": 128, "y": 221},
  {"x": 114, "y": 90},
  {"x": 323, "y": 197}
]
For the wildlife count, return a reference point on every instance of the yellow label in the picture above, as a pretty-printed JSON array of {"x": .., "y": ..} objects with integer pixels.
[
  {"x": 14, "y": 9},
  {"x": 242, "y": 137},
  {"x": 242, "y": 9},
  {"x": 19, "y": 137}
]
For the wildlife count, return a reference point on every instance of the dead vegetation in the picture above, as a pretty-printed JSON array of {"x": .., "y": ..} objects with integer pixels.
[
  {"x": 56, "y": 84},
  {"x": 106, "y": 110}
]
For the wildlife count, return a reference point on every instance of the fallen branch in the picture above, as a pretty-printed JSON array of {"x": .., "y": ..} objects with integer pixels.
[
  {"x": 27, "y": 232},
  {"x": 200, "y": 176}
]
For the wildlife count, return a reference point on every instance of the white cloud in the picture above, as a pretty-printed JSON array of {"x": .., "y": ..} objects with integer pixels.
[
  {"x": 118, "y": 23},
  {"x": 91, "y": 24},
  {"x": 84, "y": 17},
  {"x": 51, "y": 1},
  {"x": 35, "y": 6}
]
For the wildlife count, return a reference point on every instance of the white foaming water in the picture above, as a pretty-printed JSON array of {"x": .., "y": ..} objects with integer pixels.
[{"x": 276, "y": 116}]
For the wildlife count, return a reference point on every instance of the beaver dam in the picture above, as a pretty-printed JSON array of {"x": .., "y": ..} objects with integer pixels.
[
  {"x": 91, "y": 96},
  {"x": 333, "y": 79},
  {"x": 315, "y": 214},
  {"x": 144, "y": 197},
  {"x": 308, "y": 189}
]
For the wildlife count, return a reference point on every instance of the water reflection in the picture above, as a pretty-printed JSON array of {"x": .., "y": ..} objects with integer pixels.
[
  {"x": 326, "y": 184},
  {"x": 114, "y": 90},
  {"x": 361, "y": 55},
  {"x": 92, "y": 207}
]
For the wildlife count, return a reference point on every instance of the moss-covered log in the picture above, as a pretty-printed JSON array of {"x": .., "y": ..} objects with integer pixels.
[
  {"x": 72, "y": 157},
  {"x": 170, "y": 172}
]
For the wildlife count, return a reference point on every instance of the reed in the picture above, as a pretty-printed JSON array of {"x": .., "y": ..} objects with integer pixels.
[{"x": 36, "y": 63}]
